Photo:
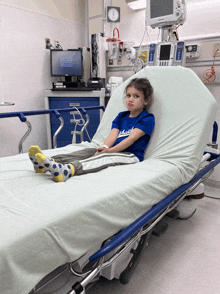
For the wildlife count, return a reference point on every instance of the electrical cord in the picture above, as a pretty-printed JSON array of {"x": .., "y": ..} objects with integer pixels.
[
  {"x": 138, "y": 64},
  {"x": 209, "y": 75},
  {"x": 158, "y": 35},
  {"x": 217, "y": 198},
  {"x": 176, "y": 34},
  {"x": 79, "y": 122}
]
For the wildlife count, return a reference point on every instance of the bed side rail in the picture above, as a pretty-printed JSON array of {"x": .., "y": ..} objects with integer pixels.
[
  {"x": 165, "y": 204},
  {"x": 22, "y": 116}
]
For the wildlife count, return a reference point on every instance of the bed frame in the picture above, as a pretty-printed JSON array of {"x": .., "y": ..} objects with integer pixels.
[{"x": 127, "y": 245}]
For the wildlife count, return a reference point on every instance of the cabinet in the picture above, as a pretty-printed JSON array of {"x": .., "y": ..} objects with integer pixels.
[{"x": 68, "y": 99}]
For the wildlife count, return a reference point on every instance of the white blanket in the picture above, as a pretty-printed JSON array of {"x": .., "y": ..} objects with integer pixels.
[{"x": 46, "y": 224}]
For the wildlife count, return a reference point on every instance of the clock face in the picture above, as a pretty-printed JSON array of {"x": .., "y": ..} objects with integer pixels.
[{"x": 113, "y": 14}]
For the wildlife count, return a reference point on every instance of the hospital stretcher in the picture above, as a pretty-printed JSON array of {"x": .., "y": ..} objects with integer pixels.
[{"x": 130, "y": 210}]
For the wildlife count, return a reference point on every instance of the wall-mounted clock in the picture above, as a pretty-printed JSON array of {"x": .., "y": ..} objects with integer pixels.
[{"x": 113, "y": 14}]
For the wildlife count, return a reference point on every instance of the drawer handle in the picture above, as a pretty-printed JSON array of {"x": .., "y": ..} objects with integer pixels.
[
  {"x": 74, "y": 104},
  {"x": 74, "y": 112}
]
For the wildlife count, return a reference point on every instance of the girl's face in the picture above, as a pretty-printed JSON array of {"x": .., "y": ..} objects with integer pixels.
[{"x": 135, "y": 101}]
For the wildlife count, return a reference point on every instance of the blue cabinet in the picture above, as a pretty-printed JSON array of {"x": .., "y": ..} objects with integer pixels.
[{"x": 58, "y": 102}]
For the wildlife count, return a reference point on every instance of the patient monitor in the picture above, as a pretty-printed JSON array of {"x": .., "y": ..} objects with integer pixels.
[
  {"x": 160, "y": 13},
  {"x": 169, "y": 53},
  {"x": 166, "y": 14}
]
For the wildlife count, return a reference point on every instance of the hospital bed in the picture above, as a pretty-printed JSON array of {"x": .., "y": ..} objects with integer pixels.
[{"x": 91, "y": 221}]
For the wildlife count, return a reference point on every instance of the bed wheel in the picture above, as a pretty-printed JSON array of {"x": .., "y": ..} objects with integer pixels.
[
  {"x": 125, "y": 276},
  {"x": 173, "y": 214},
  {"x": 160, "y": 229},
  {"x": 77, "y": 287},
  {"x": 186, "y": 217},
  {"x": 187, "y": 208}
]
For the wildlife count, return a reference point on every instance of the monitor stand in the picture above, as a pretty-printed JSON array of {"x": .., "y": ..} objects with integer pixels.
[
  {"x": 69, "y": 83},
  {"x": 68, "y": 79}
]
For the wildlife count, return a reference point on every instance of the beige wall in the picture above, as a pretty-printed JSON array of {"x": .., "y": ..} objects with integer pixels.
[
  {"x": 95, "y": 7},
  {"x": 95, "y": 16},
  {"x": 25, "y": 61},
  {"x": 70, "y": 10}
]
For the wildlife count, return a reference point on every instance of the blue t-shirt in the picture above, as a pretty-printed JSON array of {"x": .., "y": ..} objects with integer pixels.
[{"x": 125, "y": 124}]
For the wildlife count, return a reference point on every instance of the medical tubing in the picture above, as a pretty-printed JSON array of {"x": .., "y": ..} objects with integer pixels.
[
  {"x": 85, "y": 128},
  {"x": 83, "y": 124},
  {"x": 115, "y": 29},
  {"x": 122, "y": 236},
  {"x": 209, "y": 73}
]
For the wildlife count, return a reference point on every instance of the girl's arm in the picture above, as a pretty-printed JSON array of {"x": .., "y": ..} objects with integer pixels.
[
  {"x": 134, "y": 136},
  {"x": 110, "y": 140}
]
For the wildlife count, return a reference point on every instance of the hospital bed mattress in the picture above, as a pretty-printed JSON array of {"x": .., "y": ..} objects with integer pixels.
[{"x": 46, "y": 224}]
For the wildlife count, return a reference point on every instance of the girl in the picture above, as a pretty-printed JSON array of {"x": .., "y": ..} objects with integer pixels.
[{"x": 128, "y": 139}]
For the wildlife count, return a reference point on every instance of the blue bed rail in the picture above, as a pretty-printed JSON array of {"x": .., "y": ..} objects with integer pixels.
[
  {"x": 129, "y": 231},
  {"x": 22, "y": 114}
]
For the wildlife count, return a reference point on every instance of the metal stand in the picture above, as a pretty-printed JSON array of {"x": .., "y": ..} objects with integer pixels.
[
  {"x": 168, "y": 34},
  {"x": 20, "y": 148}
]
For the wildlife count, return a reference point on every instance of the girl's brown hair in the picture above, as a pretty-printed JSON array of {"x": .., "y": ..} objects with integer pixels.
[{"x": 144, "y": 86}]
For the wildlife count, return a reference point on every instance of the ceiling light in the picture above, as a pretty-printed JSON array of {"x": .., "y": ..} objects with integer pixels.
[{"x": 136, "y": 4}]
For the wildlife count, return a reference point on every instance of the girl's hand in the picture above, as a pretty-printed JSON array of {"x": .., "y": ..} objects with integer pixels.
[
  {"x": 105, "y": 150},
  {"x": 102, "y": 150}
]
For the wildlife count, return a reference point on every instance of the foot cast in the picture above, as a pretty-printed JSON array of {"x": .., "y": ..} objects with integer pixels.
[{"x": 42, "y": 164}]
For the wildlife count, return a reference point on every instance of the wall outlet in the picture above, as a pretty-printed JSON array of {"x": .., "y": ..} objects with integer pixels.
[
  {"x": 56, "y": 44},
  {"x": 216, "y": 46},
  {"x": 48, "y": 45}
]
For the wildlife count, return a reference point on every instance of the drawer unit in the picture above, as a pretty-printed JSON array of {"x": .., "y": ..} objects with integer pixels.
[{"x": 65, "y": 137}]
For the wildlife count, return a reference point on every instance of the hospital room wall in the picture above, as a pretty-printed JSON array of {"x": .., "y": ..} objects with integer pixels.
[
  {"x": 201, "y": 27},
  {"x": 24, "y": 61}
]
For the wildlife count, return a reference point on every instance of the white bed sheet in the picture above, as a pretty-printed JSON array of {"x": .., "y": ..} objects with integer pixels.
[{"x": 46, "y": 224}]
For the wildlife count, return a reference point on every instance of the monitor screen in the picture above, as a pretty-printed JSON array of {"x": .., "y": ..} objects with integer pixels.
[
  {"x": 66, "y": 62},
  {"x": 165, "y": 52},
  {"x": 160, "y": 8}
]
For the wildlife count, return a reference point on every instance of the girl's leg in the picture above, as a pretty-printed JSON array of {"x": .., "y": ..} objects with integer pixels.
[
  {"x": 60, "y": 169},
  {"x": 102, "y": 161},
  {"x": 60, "y": 172},
  {"x": 38, "y": 168},
  {"x": 77, "y": 155}
]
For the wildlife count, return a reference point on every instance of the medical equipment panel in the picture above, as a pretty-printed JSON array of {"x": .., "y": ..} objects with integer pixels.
[
  {"x": 151, "y": 54},
  {"x": 179, "y": 53},
  {"x": 192, "y": 51},
  {"x": 165, "y": 54},
  {"x": 161, "y": 13}
]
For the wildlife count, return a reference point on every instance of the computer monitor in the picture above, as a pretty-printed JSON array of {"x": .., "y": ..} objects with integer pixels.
[
  {"x": 66, "y": 63},
  {"x": 161, "y": 13}
]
